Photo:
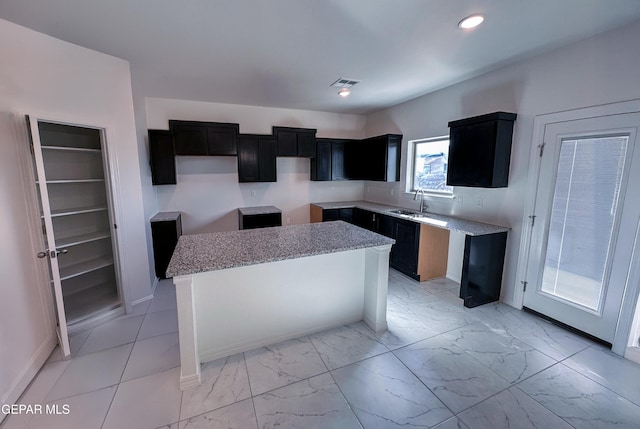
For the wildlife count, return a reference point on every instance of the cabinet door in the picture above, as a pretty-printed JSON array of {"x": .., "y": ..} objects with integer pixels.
[
  {"x": 307, "y": 144},
  {"x": 346, "y": 214},
  {"x": 287, "y": 143},
  {"x": 260, "y": 220},
  {"x": 379, "y": 158},
  {"x": 405, "y": 253},
  {"x": 321, "y": 164},
  {"x": 222, "y": 139},
  {"x": 355, "y": 160},
  {"x": 248, "y": 168},
  {"x": 165, "y": 236},
  {"x": 337, "y": 161},
  {"x": 190, "y": 139},
  {"x": 330, "y": 214},
  {"x": 482, "y": 268},
  {"x": 366, "y": 219},
  {"x": 162, "y": 157},
  {"x": 471, "y": 155},
  {"x": 386, "y": 226},
  {"x": 267, "y": 152}
]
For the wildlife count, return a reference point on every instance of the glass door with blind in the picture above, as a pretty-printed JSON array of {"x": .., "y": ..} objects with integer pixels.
[
  {"x": 583, "y": 235},
  {"x": 76, "y": 219}
]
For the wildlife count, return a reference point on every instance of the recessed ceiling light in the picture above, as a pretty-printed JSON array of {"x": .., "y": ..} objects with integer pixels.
[
  {"x": 471, "y": 21},
  {"x": 344, "y": 92}
]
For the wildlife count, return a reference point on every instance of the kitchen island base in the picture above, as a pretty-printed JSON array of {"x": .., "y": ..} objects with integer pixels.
[{"x": 228, "y": 311}]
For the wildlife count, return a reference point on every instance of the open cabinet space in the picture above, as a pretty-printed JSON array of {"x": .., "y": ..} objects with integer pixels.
[{"x": 76, "y": 217}]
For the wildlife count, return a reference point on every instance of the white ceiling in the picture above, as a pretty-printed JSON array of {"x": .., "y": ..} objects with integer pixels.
[{"x": 286, "y": 53}]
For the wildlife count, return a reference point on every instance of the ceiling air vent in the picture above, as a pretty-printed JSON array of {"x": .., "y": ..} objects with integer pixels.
[{"x": 344, "y": 83}]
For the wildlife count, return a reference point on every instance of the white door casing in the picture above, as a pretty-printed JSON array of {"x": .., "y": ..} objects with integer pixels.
[
  {"x": 612, "y": 319},
  {"x": 51, "y": 251}
]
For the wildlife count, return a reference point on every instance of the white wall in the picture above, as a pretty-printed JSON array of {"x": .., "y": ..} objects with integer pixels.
[
  {"x": 207, "y": 190},
  {"x": 600, "y": 70},
  {"x": 56, "y": 80}
]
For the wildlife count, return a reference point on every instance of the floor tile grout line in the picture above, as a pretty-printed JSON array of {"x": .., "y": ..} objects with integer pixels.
[
  {"x": 113, "y": 398},
  {"x": 591, "y": 379},
  {"x": 253, "y": 403},
  {"x": 345, "y": 398}
]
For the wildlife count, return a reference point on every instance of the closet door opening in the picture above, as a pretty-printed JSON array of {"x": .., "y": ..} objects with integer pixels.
[{"x": 77, "y": 220}]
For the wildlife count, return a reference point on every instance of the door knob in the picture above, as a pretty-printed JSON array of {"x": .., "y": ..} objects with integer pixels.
[{"x": 42, "y": 255}]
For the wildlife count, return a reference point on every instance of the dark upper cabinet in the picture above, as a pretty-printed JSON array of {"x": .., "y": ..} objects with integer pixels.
[
  {"x": 222, "y": 139},
  {"x": 189, "y": 139},
  {"x": 338, "y": 168},
  {"x": 256, "y": 158},
  {"x": 330, "y": 162},
  {"x": 299, "y": 142},
  {"x": 205, "y": 138},
  {"x": 320, "y": 166},
  {"x": 162, "y": 157},
  {"x": 376, "y": 158},
  {"x": 480, "y": 150},
  {"x": 382, "y": 158}
]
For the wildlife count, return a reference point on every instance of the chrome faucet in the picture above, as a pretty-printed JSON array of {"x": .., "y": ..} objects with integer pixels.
[{"x": 423, "y": 206}]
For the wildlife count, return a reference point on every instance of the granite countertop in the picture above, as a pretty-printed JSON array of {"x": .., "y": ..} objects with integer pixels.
[
  {"x": 216, "y": 251},
  {"x": 165, "y": 216},
  {"x": 248, "y": 211},
  {"x": 450, "y": 223}
]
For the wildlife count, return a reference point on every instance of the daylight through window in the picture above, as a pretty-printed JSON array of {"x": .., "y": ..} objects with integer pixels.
[{"x": 430, "y": 160}]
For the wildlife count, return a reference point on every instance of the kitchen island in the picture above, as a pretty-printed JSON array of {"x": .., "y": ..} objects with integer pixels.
[{"x": 244, "y": 289}]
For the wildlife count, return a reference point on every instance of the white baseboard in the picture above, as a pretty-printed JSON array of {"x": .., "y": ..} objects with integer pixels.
[
  {"x": 141, "y": 300},
  {"x": 29, "y": 371},
  {"x": 633, "y": 354},
  {"x": 220, "y": 352},
  {"x": 455, "y": 277}
]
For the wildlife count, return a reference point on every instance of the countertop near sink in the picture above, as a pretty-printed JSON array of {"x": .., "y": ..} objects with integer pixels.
[{"x": 450, "y": 223}]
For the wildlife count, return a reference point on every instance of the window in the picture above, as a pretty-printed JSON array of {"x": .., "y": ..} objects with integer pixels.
[{"x": 430, "y": 161}]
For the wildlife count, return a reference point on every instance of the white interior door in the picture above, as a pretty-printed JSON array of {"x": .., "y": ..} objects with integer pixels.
[
  {"x": 51, "y": 253},
  {"x": 586, "y": 216}
]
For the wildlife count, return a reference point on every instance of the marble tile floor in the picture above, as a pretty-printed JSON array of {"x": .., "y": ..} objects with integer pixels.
[{"x": 439, "y": 365}]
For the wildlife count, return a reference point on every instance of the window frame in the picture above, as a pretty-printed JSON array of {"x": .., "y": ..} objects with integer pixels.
[{"x": 411, "y": 188}]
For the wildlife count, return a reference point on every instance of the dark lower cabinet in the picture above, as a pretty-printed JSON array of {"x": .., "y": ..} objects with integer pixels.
[
  {"x": 262, "y": 220},
  {"x": 345, "y": 214},
  {"x": 482, "y": 267},
  {"x": 166, "y": 228},
  {"x": 366, "y": 219},
  {"x": 162, "y": 157},
  {"x": 256, "y": 158},
  {"x": 404, "y": 253}
]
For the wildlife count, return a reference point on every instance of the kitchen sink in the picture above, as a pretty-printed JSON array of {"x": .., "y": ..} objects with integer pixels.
[
  {"x": 410, "y": 213},
  {"x": 404, "y": 212}
]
